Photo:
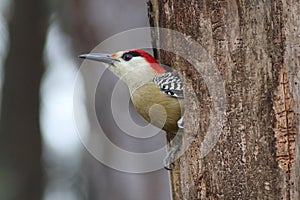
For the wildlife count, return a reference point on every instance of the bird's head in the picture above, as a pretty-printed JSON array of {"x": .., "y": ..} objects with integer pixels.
[{"x": 134, "y": 62}]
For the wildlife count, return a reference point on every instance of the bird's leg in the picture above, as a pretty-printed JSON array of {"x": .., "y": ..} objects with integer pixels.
[
  {"x": 169, "y": 159},
  {"x": 174, "y": 148}
]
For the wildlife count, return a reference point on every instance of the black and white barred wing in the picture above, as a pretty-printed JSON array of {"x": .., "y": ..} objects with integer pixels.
[{"x": 170, "y": 83}]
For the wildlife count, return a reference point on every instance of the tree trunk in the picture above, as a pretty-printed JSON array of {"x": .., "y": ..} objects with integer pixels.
[
  {"x": 255, "y": 47},
  {"x": 21, "y": 170}
]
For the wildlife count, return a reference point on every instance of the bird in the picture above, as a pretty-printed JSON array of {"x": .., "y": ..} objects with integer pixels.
[{"x": 155, "y": 91}]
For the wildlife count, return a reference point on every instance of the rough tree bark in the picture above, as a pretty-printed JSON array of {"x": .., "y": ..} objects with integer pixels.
[{"x": 255, "y": 46}]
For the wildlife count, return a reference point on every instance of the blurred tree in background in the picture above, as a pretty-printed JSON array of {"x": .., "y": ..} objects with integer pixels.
[
  {"x": 21, "y": 170},
  {"x": 26, "y": 170}
]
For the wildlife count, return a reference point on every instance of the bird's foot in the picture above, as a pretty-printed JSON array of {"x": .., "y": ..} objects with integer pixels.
[
  {"x": 174, "y": 148},
  {"x": 169, "y": 159}
]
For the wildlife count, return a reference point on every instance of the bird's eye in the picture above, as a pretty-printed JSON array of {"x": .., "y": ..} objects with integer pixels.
[{"x": 127, "y": 56}]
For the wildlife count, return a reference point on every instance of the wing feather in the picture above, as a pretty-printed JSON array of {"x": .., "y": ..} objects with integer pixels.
[{"x": 170, "y": 83}]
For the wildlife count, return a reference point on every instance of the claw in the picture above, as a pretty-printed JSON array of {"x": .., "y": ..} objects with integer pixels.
[
  {"x": 180, "y": 123},
  {"x": 170, "y": 168}
]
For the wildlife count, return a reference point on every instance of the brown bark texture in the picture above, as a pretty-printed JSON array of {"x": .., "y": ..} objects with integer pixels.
[{"x": 255, "y": 46}]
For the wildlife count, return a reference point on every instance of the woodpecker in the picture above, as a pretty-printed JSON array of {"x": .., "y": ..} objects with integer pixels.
[{"x": 155, "y": 91}]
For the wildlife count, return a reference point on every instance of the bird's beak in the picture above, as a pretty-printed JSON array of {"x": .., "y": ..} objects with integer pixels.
[{"x": 105, "y": 58}]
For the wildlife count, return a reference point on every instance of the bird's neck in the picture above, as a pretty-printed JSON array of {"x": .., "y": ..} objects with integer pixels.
[
  {"x": 136, "y": 79},
  {"x": 135, "y": 74}
]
